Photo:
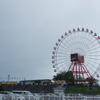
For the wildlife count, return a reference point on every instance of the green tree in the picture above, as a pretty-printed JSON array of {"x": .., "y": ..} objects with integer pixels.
[
  {"x": 1, "y": 88},
  {"x": 59, "y": 76},
  {"x": 38, "y": 82},
  {"x": 69, "y": 77},
  {"x": 91, "y": 81}
]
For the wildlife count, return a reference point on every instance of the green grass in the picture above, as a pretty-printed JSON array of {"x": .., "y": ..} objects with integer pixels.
[{"x": 82, "y": 90}]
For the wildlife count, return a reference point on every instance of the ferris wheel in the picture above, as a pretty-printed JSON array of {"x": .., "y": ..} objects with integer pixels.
[{"x": 77, "y": 51}]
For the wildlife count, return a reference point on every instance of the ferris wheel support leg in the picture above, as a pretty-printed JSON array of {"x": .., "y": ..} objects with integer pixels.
[
  {"x": 85, "y": 70},
  {"x": 79, "y": 72},
  {"x": 73, "y": 67},
  {"x": 76, "y": 71},
  {"x": 82, "y": 72},
  {"x": 70, "y": 66}
]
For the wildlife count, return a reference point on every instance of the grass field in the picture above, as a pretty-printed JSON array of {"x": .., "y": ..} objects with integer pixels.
[{"x": 83, "y": 90}]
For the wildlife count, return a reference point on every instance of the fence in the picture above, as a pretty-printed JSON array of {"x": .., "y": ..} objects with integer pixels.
[
  {"x": 53, "y": 97},
  {"x": 69, "y": 98}
]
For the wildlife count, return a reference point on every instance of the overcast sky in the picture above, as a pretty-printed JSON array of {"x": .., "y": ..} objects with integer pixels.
[{"x": 29, "y": 30}]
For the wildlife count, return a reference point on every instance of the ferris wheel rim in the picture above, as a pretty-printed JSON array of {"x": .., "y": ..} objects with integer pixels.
[{"x": 58, "y": 44}]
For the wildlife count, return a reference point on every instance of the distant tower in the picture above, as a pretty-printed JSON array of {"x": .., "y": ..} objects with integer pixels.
[{"x": 9, "y": 77}]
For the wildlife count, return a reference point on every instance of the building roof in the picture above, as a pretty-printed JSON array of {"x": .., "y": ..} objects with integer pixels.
[
  {"x": 10, "y": 82},
  {"x": 35, "y": 80}
]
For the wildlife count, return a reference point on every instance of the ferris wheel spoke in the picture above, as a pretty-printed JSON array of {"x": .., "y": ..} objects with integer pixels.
[
  {"x": 72, "y": 42},
  {"x": 95, "y": 73},
  {"x": 68, "y": 48},
  {"x": 92, "y": 61},
  {"x": 89, "y": 65},
  {"x": 61, "y": 59},
  {"x": 58, "y": 63},
  {"x": 65, "y": 48},
  {"x": 92, "y": 58},
  {"x": 92, "y": 55},
  {"x": 62, "y": 56},
  {"x": 92, "y": 40},
  {"x": 67, "y": 42},
  {"x": 94, "y": 49},
  {"x": 92, "y": 44},
  {"x": 62, "y": 53},
  {"x": 61, "y": 66},
  {"x": 94, "y": 52},
  {"x": 79, "y": 46}
]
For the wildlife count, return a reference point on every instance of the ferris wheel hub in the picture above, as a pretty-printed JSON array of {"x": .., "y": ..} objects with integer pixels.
[{"x": 77, "y": 58}]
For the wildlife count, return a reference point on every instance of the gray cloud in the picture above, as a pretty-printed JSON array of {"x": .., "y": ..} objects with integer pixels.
[{"x": 30, "y": 28}]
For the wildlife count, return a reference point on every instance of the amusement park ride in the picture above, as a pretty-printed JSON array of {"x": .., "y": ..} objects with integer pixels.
[{"x": 78, "y": 51}]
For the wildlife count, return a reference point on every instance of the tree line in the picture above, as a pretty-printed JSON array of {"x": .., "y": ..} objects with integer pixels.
[{"x": 69, "y": 78}]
